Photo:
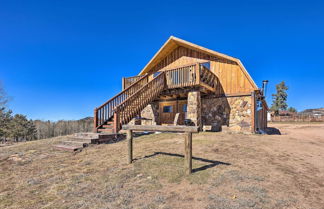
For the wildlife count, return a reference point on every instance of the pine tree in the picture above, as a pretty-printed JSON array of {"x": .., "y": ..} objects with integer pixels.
[
  {"x": 22, "y": 128},
  {"x": 292, "y": 109},
  {"x": 279, "y": 100}
]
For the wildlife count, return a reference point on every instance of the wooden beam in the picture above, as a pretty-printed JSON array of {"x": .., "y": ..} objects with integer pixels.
[
  {"x": 253, "y": 112},
  {"x": 130, "y": 146},
  {"x": 95, "y": 120},
  {"x": 188, "y": 153},
  {"x": 193, "y": 129}
]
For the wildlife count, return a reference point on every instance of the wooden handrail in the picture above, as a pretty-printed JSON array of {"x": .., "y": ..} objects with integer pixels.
[
  {"x": 130, "y": 80},
  {"x": 132, "y": 106},
  {"x": 104, "y": 112},
  {"x": 146, "y": 76},
  {"x": 138, "y": 91}
]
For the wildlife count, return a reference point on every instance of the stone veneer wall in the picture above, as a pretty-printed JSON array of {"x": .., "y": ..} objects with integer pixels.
[
  {"x": 151, "y": 113},
  {"x": 234, "y": 112},
  {"x": 194, "y": 107}
]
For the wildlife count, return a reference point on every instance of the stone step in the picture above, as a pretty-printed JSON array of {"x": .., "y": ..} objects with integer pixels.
[
  {"x": 84, "y": 140},
  {"x": 68, "y": 147},
  {"x": 86, "y": 134},
  {"x": 76, "y": 143},
  {"x": 106, "y": 130}
]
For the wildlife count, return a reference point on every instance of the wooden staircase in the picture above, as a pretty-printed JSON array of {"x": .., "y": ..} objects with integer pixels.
[
  {"x": 140, "y": 91},
  {"x": 123, "y": 107}
]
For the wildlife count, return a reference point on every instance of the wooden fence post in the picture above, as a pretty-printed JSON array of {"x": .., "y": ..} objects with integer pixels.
[
  {"x": 130, "y": 146},
  {"x": 188, "y": 152}
]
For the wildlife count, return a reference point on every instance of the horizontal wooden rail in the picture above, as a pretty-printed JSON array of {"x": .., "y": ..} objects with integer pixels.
[
  {"x": 187, "y": 130},
  {"x": 193, "y": 129}
]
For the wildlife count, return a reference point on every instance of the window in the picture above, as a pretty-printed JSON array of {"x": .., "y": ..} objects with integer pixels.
[
  {"x": 156, "y": 74},
  {"x": 184, "y": 108},
  {"x": 206, "y": 65},
  {"x": 167, "y": 108}
]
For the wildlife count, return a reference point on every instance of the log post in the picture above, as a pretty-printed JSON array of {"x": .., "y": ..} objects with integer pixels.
[
  {"x": 116, "y": 122},
  {"x": 197, "y": 74},
  {"x": 130, "y": 146},
  {"x": 188, "y": 152},
  {"x": 95, "y": 120}
]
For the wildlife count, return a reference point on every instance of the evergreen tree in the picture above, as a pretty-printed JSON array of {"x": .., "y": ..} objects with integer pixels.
[
  {"x": 5, "y": 118},
  {"x": 22, "y": 128},
  {"x": 292, "y": 109},
  {"x": 279, "y": 100}
]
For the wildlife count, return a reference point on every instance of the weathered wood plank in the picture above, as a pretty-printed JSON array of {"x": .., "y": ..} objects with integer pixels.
[
  {"x": 130, "y": 146},
  {"x": 193, "y": 129},
  {"x": 188, "y": 153}
]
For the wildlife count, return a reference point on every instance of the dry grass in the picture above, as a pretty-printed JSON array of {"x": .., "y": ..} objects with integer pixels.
[{"x": 231, "y": 171}]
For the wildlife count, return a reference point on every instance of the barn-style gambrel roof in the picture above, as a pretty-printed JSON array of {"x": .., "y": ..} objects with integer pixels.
[{"x": 173, "y": 42}]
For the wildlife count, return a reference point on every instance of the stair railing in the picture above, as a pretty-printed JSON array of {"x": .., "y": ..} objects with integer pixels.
[
  {"x": 126, "y": 82},
  {"x": 207, "y": 77},
  {"x": 106, "y": 110},
  {"x": 133, "y": 105}
]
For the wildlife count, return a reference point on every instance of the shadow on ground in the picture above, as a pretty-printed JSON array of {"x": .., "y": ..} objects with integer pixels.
[
  {"x": 272, "y": 131},
  {"x": 212, "y": 163}
]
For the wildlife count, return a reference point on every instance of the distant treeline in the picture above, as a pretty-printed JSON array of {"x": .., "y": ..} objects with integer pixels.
[
  {"x": 16, "y": 127},
  {"x": 47, "y": 129}
]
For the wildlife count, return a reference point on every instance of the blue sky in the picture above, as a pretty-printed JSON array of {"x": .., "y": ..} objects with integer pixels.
[{"x": 60, "y": 59}]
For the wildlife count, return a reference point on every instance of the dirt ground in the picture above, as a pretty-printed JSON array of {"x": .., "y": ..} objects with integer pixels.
[{"x": 230, "y": 171}]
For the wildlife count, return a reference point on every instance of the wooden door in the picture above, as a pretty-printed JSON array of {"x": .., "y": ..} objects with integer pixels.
[
  {"x": 182, "y": 109},
  {"x": 169, "y": 109},
  {"x": 167, "y": 112}
]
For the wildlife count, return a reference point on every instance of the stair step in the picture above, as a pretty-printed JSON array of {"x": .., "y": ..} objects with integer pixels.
[
  {"x": 106, "y": 130},
  {"x": 84, "y": 140},
  {"x": 86, "y": 135},
  {"x": 107, "y": 126},
  {"x": 67, "y": 147},
  {"x": 76, "y": 143}
]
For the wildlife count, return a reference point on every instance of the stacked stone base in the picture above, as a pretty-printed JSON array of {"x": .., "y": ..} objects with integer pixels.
[{"x": 233, "y": 114}]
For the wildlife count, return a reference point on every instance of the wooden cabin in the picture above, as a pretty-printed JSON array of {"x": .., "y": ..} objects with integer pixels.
[{"x": 207, "y": 88}]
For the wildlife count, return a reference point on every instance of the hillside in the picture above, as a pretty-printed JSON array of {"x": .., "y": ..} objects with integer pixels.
[
  {"x": 230, "y": 171},
  {"x": 318, "y": 111}
]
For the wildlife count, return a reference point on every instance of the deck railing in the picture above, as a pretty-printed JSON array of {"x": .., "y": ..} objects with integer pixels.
[
  {"x": 191, "y": 75},
  {"x": 130, "y": 80},
  {"x": 106, "y": 111},
  {"x": 181, "y": 77}
]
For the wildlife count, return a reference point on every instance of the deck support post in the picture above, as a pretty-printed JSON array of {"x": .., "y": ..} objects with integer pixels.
[
  {"x": 130, "y": 146},
  {"x": 188, "y": 152},
  {"x": 116, "y": 122},
  {"x": 95, "y": 120}
]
